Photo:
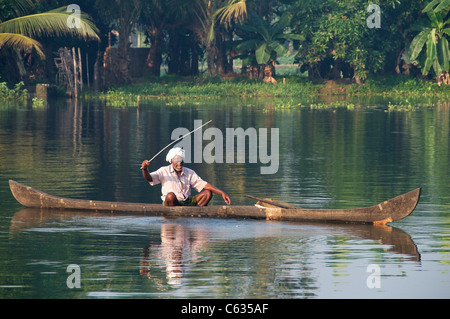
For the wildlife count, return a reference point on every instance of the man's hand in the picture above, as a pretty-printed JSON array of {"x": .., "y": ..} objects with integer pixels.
[
  {"x": 145, "y": 172},
  {"x": 145, "y": 164},
  {"x": 226, "y": 198}
]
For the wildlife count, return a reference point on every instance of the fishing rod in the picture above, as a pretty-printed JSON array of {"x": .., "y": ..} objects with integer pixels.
[{"x": 180, "y": 138}]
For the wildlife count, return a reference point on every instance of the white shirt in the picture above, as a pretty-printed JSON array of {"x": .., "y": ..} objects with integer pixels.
[{"x": 180, "y": 186}]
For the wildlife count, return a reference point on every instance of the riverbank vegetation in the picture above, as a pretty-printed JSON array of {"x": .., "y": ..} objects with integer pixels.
[
  {"x": 174, "y": 90},
  {"x": 141, "y": 49},
  {"x": 16, "y": 94}
]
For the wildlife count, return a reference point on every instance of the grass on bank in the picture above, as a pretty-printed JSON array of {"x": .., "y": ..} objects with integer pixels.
[{"x": 176, "y": 90}]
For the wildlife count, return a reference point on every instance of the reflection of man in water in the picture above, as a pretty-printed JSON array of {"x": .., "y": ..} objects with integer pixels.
[{"x": 175, "y": 244}]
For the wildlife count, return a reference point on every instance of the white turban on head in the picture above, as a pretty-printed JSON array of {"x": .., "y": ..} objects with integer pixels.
[{"x": 176, "y": 151}]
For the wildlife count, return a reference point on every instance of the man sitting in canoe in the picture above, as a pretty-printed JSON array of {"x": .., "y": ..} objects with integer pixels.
[{"x": 176, "y": 182}]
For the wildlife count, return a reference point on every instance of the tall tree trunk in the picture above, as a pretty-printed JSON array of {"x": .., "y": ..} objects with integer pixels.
[
  {"x": 20, "y": 64},
  {"x": 154, "y": 59},
  {"x": 210, "y": 58},
  {"x": 122, "y": 67},
  {"x": 223, "y": 64},
  {"x": 184, "y": 55},
  {"x": 98, "y": 70},
  {"x": 220, "y": 57},
  {"x": 173, "y": 58},
  {"x": 194, "y": 58}
]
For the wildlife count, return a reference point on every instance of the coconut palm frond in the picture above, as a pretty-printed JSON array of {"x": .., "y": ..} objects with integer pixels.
[
  {"x": 20, "y": 42},
  {"x": 24, "y": 6},
  {"x": 52, "y": 23},
  {"x": 234, "y": 11}
]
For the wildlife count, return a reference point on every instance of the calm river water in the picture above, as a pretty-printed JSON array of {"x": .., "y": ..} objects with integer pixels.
[{"x": 328, "y": 158}]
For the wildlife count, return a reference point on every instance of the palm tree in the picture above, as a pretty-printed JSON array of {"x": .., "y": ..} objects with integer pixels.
[
  {"x": 262, "y": 41},
  {"x": 20, "y": 33},
  {"x": 156, "y": 17},
  {"x": 212, "y": 26}
]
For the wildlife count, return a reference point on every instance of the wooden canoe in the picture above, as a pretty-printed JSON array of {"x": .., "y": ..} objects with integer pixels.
[{"x": 385, "y": 212}]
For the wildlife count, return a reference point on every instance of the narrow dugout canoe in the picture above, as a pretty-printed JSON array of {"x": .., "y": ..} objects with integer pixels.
[{"x": 385, "y": 212}]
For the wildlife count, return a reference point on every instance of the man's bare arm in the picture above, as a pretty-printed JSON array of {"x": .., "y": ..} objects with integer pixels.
[
  {"x": 145, "y": 172},
  {"x": 219, "y": 192}
]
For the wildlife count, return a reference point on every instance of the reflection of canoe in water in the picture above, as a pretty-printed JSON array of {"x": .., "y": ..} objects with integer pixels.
[
  {"x": 385, "y": 212},
  {"x": 396, "y": 240}
]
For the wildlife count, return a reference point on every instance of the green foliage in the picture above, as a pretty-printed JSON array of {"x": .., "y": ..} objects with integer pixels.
[
  {"x": 437, "y": 6},
  {"x": 262, "y": 41},
  {"x": 21, "y": 32},
  {"x": 18, "y": 93},
  {"x": 429, "y": 49},
  {"x": 37, "y": 102},
  {"x": 399, "y": 86},
  {"x": 331, "y": 38},
  {"x": 175, "y": 91},
  {"x": 338, "y": 41}
]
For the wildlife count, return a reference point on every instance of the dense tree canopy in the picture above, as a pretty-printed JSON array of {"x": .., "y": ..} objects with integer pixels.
[{"x": 333, "y": 39}]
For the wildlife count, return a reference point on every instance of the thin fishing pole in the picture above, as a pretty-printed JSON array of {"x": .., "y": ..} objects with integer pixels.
[{"x": 178, "y": 140}]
